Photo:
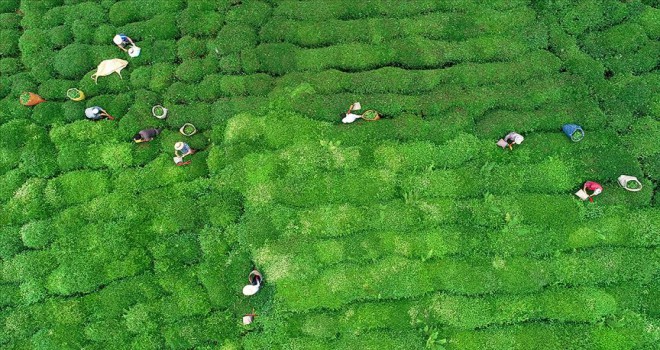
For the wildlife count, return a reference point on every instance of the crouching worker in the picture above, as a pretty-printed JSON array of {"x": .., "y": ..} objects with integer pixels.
[
  {"x": 350, "y": 117},
  {"x": 97, "y": 113},
  {"x": 594, "y": 187},
  {"x": 182, "y": 149},
  {"x": 254, "y": 278},
  {"x": 122, "y": 41},
  {"x": 146, "y": 135},
  {"x": 510, "y": 139}
]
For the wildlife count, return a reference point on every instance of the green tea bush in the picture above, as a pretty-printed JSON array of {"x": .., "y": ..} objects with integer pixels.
[
  {"x": 162, "y": 75},
  {"x": 233, "y": 38},
  {"x": 253, "y": 13},
  {"x": 199, "y": 23},
  {"x": 190, "y": 47},
  {"x": 159, "y": 51},
  {"x": 190, "y": 71},
  {"x": 624, "y": 38},
  {"x": 73, "y": 61},
  {"x": 10, "y": 242},
  {"x": 39, "y": 157},
  {"x": 9, "y": 46},
  {"x": 179, "y": 92},
  {"x": 10, "y": 65},
  {"x": 10, "y": 182},
  {"x": 648, "y": 19},
  {"x": 127, "y": 11},
  {"x": 160, "y": 27},
  {"x": 76, "y": 187},
  {"x": 9, "y": 20},
  {"x": 37, "y": 234},
  {"x": 27, "y": 203},
  {"x": 141, "y": 77}
]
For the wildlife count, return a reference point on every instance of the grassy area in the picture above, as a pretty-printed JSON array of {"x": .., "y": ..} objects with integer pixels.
[{"x": 411, "y": 232}]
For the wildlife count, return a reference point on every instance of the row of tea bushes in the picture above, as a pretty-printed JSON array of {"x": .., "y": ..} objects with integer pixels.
[
  {"x": 412, "y": 52},
  {"x": 395, "y": 278},
  {"x": 437, "y": 25}
]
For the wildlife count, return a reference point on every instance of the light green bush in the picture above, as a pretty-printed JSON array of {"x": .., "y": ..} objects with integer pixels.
[
  {"x": 76, "y": 187},
  {"x": 36, "y": 234}
]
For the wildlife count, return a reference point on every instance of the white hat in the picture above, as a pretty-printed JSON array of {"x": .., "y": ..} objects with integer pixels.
[
  {"x": 518, "y": 139},
  {"x": 250, "y": 289},
  {"x": 117, "y": 39},
  {"x": 179, "y": 146},
  {"x": 96, "y": 110}
]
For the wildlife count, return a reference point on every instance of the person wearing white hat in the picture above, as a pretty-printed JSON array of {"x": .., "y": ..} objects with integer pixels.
[
  {"x": 122, "y": 41},
  {"x": 349, "y": 117},
  {"x": 182, "y": 149},
  {"x": 97, "y": 113},
  {"x": 512, "y": 138},
  {"x": 254, "y": 278}
]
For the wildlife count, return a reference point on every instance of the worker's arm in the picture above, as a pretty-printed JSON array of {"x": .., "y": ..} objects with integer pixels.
[{"x": 131, "y": 41}]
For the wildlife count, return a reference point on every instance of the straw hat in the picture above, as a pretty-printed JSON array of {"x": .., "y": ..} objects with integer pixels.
[
  {"x": 250, "y": 289},
  {"x": 518, "y": 139},
  {"x": 179, "y": 146},
  {"x": 117, "y": 39}
]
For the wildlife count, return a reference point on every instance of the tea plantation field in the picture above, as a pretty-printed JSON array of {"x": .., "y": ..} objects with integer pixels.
[{"x": 415, "y": 231}]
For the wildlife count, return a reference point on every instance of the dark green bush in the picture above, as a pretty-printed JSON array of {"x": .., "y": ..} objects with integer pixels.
[
  {"x": 190, "y": 71},
  {"x": 180, "y": 92},
  {"x": 10, "y": 242},
  {"x": 103, "y": 34},
  {"x": 73, "y": 61},
  {"x": 199, "y": 23},
  {"x": 253, "y": 13},
  {"x": 621, "y": 39},
  {"x": 162, "y": 26},
  {"x": 9, "y": 66},
  {"x": 84, "y": 30},
  {"x": 9, "y": 20},
  {"x": 9, "y": 45},
  {"x": 162, "y": 76},
  {"x": 127, "y": 11},
  {"x": 61, "y": 36},
  {"x": 233, "y": 38},
  {"x": 190, "y": 47}
]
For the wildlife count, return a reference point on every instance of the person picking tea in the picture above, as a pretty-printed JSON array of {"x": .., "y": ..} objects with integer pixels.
[
  {"x": 122, "y": 41},
  {"x": 146, "y": 135},
  {"x": 510, "y": 139},
  {"x": 592, "y": 186},
  {"x": 97, "y": 113},
  {"x": 254, "y": 279}
]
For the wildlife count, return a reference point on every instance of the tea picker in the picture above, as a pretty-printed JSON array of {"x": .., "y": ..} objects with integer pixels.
[
  {"x": 510, "y": 139},
  {"x": 254, "y": 278},
  {"x": 182, "y": 149},
  {"x": 122, "y": 41},
  {"x": 97, "y": 113},
  {"x": 594, "y": 187},
  {"x": 146, "y": 135},
  {"x": 350, "y": 117}
]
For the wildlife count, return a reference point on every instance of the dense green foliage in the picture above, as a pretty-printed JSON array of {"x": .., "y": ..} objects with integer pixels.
[{"x": 412, "y": 232}]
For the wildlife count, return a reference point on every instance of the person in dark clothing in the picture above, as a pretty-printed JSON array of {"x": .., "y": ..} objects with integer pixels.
[{"x": 146, "y": 135}]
